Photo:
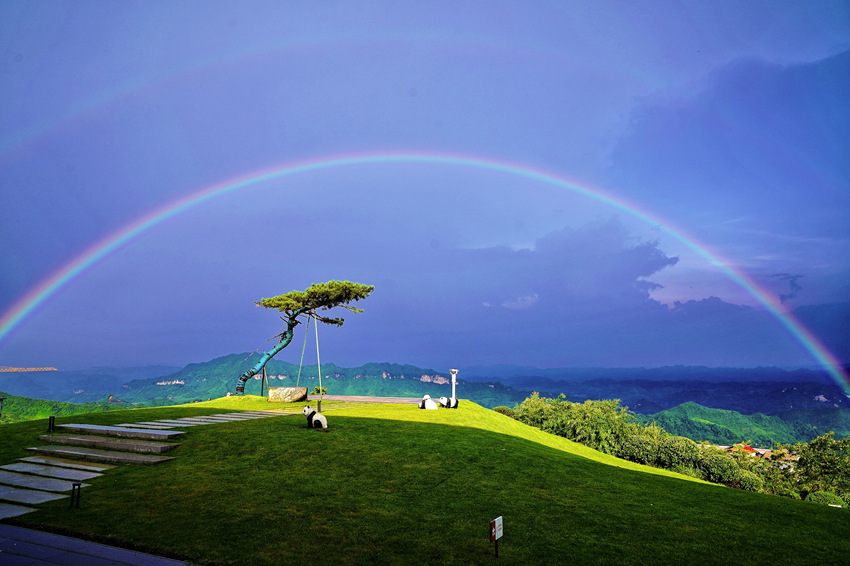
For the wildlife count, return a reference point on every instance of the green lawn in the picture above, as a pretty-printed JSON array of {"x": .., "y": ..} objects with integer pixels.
[{"x": 391, "y": 484}]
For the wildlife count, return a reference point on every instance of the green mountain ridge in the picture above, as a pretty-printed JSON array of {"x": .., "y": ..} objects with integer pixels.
[
  {"x": 726, "y": 427},
  {"x": 214, "y": 379}
]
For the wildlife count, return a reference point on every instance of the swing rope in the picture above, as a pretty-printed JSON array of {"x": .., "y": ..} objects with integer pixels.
[
  {"x": 301, "y": 363},
  {"x": 318, "y": 362}
]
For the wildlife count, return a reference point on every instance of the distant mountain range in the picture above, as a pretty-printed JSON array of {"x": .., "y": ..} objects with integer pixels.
[
  {"x": 776, "y": 404},
  {"x": 218, "y": 377},
  {"x": 80, "y": 386},
  {"x": 720, "y": 426}
]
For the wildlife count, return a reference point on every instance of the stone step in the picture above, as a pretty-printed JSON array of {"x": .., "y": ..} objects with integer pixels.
[
  {"x": 234, "y": 418},
  {"x": 95, "y": 455},
  {"x": 167, "y": 422},
  {"x": 209, "y": 420},
  {"x": 173, "y": 423},
  {"x": 147, "y": 426},
  {"x": 31, "y": 496},
  {"x": 7, "y": 510},
  {"x": 272, "y": 412},
  {"x": 67, "y": 463},
  {"x": 123, "y": 432},
  {"x": 140, "y": 446},
  {"x": 35, "y": 482},
  {"x": 50, "y": 471}
]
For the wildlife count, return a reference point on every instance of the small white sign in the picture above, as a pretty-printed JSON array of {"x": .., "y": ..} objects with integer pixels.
[{"x": 496, "y": 529}]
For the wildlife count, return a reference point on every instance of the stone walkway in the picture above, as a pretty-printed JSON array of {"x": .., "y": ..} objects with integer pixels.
[
  {"x": 19, "y": 547},
  {"x": 92, "y": 450}
]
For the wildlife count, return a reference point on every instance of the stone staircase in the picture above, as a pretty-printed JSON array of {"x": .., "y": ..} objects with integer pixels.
[{"x": 80, "y": 452}]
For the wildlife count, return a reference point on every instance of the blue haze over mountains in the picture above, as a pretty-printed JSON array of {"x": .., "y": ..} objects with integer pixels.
[{"x": 643, "y": 390}]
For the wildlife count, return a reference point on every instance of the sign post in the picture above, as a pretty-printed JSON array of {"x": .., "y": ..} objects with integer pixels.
[{"x": 496, "y": 531}]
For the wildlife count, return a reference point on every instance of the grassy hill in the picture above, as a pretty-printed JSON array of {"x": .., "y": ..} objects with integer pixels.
[{"x": 391, "y": 484}]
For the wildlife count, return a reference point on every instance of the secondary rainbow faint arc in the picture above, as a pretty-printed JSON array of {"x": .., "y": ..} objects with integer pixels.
[{"x": 36, "y": 296}]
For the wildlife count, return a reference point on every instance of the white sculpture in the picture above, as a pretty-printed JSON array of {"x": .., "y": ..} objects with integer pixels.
[{"x": 314, "y": 419}]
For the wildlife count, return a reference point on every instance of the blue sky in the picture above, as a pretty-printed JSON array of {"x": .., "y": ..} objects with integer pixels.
[{"x": 721, "y": 127}]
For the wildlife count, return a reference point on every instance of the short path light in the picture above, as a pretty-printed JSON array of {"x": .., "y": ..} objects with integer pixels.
[{"x": 75, "y": 494}]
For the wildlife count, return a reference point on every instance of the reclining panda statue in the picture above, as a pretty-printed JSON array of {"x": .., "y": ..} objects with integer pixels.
[
  {"x": 448, "y": 402},
  {"x": 314, "y": 419},
  {"x": 427, "y": 403}
]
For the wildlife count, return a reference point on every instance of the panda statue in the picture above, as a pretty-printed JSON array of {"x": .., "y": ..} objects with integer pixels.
[
  {"x": 451, "y": 402},
  {"x": 427, "y": 403},
  {"x": 314, "y": 419}
]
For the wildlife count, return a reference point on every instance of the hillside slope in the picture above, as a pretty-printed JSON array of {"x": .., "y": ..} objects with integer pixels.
[{"x": 391, "y": 484}]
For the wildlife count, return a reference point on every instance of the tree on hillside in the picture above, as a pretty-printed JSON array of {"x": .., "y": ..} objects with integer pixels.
[
  {"x": 824, "y": 465},
  {"x": 297, "y": 305}
]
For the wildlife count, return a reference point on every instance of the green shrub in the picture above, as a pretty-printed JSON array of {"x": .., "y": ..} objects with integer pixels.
[
  {"x": 789, "y": 493},
  {"x": 507, "y": 411},
  {"x": 750, "y": 481},
  {"x": 534, "y": 411},
  {"x": 717, "y": 467},
  {"x": 639, "y": 446},
  {"x": 675, "y": 451},
  {"x": 825, "y": 498}
]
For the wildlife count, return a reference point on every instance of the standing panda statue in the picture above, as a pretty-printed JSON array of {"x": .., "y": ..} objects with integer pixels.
[{"x": 314, "y": 419}]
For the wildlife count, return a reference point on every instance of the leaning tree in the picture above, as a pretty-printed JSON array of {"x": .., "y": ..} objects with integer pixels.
[{"x": 297, "y": 305}]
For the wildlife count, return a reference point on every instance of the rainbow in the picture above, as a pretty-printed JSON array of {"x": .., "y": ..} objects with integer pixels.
[{"x": 44, "y": 290}]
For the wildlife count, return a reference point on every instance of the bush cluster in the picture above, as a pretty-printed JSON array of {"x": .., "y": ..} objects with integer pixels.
[
  {"x": 507, "y": 411},
  {"x": 825, "y": 498},
  {"x": 823, "y": 466}
]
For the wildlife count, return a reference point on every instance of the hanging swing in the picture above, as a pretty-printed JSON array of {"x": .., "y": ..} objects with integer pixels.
[{"x": 318, "y": 359}]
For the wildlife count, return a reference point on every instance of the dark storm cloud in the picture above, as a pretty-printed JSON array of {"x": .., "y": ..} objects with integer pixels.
[{"x": 795, "y": 287}]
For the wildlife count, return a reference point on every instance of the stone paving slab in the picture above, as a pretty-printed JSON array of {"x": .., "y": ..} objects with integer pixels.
[
  {"x": 31, "y": 496},
  {"x": 277, "y": 413},
  {"x": 35, "y": 548},
  {"x": 123, "y": 432},
  {"x": 246, "y": 417},
  {"x": 67, "y": 463},
  {"x": 140, "y": 446},
  {"x": 95, "y": 455},
  {"x": 173, "y": 423},
  {"x": 237, "y": 417},
  {"x": 146, "y": 426},
  {"x": 50, "y": 471},
  {"x": 35, "y": 482},
  {"x": 8, "y": 510}
]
